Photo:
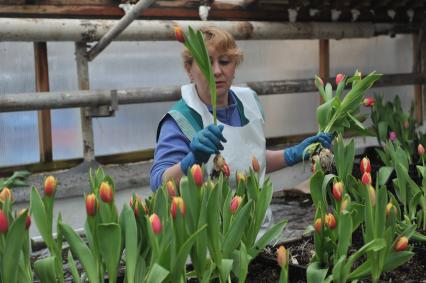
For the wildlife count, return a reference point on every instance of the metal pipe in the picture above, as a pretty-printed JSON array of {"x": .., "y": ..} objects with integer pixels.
[
  {"x": 57, "y": 100},
  {"x": 27, "y": 29},
  {"x": 118, "y": 28}
]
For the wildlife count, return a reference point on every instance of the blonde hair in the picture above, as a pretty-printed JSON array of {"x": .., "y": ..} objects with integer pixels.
[{"x": 220, "y": 40}]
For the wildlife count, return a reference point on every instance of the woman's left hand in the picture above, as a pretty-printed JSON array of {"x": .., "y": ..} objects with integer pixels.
[{"x": 294, "y": 154}]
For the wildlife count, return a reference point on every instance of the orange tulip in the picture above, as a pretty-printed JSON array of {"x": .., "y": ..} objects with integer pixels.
[
  {"x": 197, "y": 174},
  {"x": 318, "y": 225},
  {"x": 330, "y": 220},
  {"x": 91, "y": 204},
  {"x": 337, "y": 191},
  {"x": 5, "y": 194},
  {"x": 105, "y": 192},
  {"x": 171, "y": 188},
  {"x": 179, "y": 34},
  {"x": 177, "y": 203},
  {"x": 282, "y": 256},
  {"x": 50, "y": 184},
  {"x": 255, "y": 164},
  {"x": 401, "y": 244}
]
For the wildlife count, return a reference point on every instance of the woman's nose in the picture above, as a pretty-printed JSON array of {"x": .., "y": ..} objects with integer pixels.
[{"x": 216, "y": 68}]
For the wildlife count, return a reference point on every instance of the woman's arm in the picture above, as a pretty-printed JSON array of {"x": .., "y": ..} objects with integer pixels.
[{"x": 274, "y": 160}]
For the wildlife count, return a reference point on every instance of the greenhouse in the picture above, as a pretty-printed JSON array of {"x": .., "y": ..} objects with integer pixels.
[{"x": 212, "y": 141}]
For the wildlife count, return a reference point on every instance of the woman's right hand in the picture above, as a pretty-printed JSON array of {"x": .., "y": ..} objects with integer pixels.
[{"x": 205, "y": 143}]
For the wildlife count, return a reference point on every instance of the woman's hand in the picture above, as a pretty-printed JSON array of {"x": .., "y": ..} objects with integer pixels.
[{"x": 294, "y": 154}]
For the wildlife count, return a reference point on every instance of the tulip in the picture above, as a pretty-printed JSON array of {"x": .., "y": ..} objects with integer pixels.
[
  {"x": 177, "y": 203},
  {"x": 339, "y": 78},
  {"x": 134, "y": 203},
  {"x": 50, "y": 184},
  {"x": 390, "y": 208},
  {"x": 197, "y": 174},
  {"x": 401, "y": 244},
  {"x": 27, "y": 219},
  {"x": 369, "y": 101},
  {"x": 337, "y": 191},
  {"x": 282, "y": 257},
  {"x": 318, "y": 82},
  {"x": 4, "y": 222},
  {"x": 5, "y": 194},
  {"x": 372, "y": 195},
  {"x": 155, "y": 223},
  {"x": 91, "y": 204},
  {"x": 392, "y": 135},
  {"x": 406, "y": 124},
  {"x": 365, "y": 165},
  {"x": 240, "y": 177},
  {"x": 366, "y": 178},
  {"x": 105, "y": 192},
  {"x": 255, "y": 164},
  {"x": 318, "y": 225},
  {"x": 235, "y": 204},
  {"x": 179, "y": 34},
  {"x": 330, "y": 220},
  {"x": 420, "y": 150},
  {"x": 344, "y": 205},
  {"x": 171, "y": 188},
  {"x": 226, "y": 170}
]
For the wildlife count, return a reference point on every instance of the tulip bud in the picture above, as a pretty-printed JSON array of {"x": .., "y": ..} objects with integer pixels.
[
  {"x": 171, "y": 188},
  {"x": 5, "y": 194},
  {"x": 344, "y": 205},
  {"x": 179, "y": 34},
  {"x": 50, "y": 184},
  {"x": 177, "y": 203},
  {"x": 134, "y": 203},
  {"x": 4, "y": 222},
  {"x": 420, "y": 150},
  {"x": 330, "y": 220},
  {"x": 197, "y": 174},
  {"x": 390, "y": 208},
  {"x": 369, "y": 102},
  {"x": 282, "y": 257},
  {"x": 105, "y": 192},
  {"x": 318, "y": 225},
  {"x": 337, "y": 191},
  {"x": 401, "y": 244},
  {"x": 255, "y": 164},
  {"x": 27, "y": 219},
  {"x": 366, "y": 178},
  {"x": 392, "y": 136},
  {"x": 91, "y": 204},
  {"x": 372, "y": 195},
  {"x": 235, "y": 204},
  {"x": 318, "y": 82},
  {"x": 365, "y": 165},
  {"x": 240, "y": 177},
  {"x": 339, "y": 78},
  {"x": 406, "y": 124},
  {"x": 155, "y": 223},
  {"x": 226, "y": 170}
]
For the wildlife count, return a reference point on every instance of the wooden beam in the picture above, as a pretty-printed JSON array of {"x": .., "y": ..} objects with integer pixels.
[
  {"x": 324, "y": 60},
  {"x": 42, "y": 85}
]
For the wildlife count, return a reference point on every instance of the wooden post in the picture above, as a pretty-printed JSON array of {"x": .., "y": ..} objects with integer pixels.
[
  {"x": 83, "y": 84},
  {"x": 42, "y": 84},
  {"x": 324, "y": 60},
  {"x": 417, "y": 68}
]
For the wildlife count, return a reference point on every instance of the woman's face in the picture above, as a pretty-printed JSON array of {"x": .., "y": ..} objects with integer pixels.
[{"x": 223, "y": 69}]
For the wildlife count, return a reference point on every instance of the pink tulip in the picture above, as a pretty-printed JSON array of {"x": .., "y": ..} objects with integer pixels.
[
  {"x": 339, "y": 78},
  {"x": 369, "y": 101},
  {"x": 235, "y": 204},
  {"x": 4, "y": 222},
  {"x": 420, "y": 149},
  {"x": 155, "y": 223}
]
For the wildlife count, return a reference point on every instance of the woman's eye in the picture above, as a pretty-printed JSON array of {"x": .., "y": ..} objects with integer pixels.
[{"x": 224, "y": 62}]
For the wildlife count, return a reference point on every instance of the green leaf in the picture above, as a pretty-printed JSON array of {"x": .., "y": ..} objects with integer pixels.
[
  {"x": 396, "y": 259},
  {"x": 267, "y": 238},
  {"x": 73, "y": 268},
  {"x": 213, "y": 228},
  {"x": 344, "y": 234},
  {"x": 225, "y": 268},
  {"x": 157, "y": 274},
  {"x": 315, "y": 274},
  {"x": 328, "y": 92},
  {"x": 110, "y": 247},
  {"x": 38, "y": 212},
  {"x": 45, "y": 269},
  {"x": 243, "y": 262},
  {"x": 315, "y": 186},
  {"x": 130, "y": 241},
  {"x": 384, "y": 174},
  {"x": 324, "y": 113}
]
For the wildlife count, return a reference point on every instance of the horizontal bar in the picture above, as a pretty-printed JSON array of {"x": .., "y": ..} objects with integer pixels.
[
  {"x": 35, "y": 29},
  {"x": 93, "y": 98}
]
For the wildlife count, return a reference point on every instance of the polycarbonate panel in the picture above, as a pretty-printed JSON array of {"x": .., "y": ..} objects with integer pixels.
[{"x": 18, "y": 131}]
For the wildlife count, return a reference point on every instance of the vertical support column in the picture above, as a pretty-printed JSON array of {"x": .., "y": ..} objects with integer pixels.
[
  {"x": 422, "y": 63},
  {"x": 324, "y": 60},
  {"x": 417, "y": 68},
  {"x": 83, "y": 84},
  {"x": 42, "y": 84}
]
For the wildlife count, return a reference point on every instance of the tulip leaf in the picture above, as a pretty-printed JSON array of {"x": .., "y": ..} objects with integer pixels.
[
  {"x": 156, "y": 274},
  {"x": 110, "y": 247},
  {"x": 73, "y": 268},
  {"x": 328, "y": 92},
  {"x": 83, "y": 253},
  {"x": 14, "y": 242},
  {"x": 344, "y": 234},
  {"x": 267, "y": 238},
  {"x": 384, "y": 174},
  {"x": 45, "y": 269},
  {"x": 261, "y": 206},
  {"x": 38, "y": 212},
  {"x": 315, "y": 185},
  {"x": 213, "y": 228},
  {"x": 396, "y": 259},
  {"x": 241, "y": 262},
  {"x": 324, "y": 113},
  {"x": 315, "y": 274},
  {"x": 225, "y": 268},
  {"x": 131, "y": 242},
  {"x": 189, "y": 194}
]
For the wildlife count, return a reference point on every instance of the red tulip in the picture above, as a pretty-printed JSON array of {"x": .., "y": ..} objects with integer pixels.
[
  {"x": 197, "y": 174},
  {"x": 390, "y": 208},
  {"x": 339, "y": 78},
  {"x": 177, "y": 203},
  {"x": 420, "y": 149},
  {"x": 337, "y": 191},
  {"x": 4, "y": 222},
  {"x": 365, "y": 165},
  {"x": 330, "y": 220},
  {"x": 50, "y": 184},
  {"x": 27, "y": 219},
  {"x": 226, "y": 170},
  {"x": 171, "y": 188},
  {"x": 5, "y": 194},
  {"x": 318, "y": 225},
  {"x": 155, "y": 223},
  {"x": 369, "y": 101},
  {"x": 401, "y": 244},
  {"x": 366, "y": 178},
  {"x": 255, "y": 164},
  {"x": 91, "y": 204},
  {"x": 105, "y": 192},
  {"x": 392, "y": 136},
  {"x": 282, "y": 257},
  {"x": 179, "y": 34},
  {"x": 235, "y": 204}
]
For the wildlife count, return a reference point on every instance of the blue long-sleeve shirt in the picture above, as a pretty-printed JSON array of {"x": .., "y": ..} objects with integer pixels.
[{"x": 172, "y": 145}]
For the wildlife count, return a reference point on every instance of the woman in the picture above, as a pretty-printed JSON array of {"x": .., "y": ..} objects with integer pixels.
[{"x": 186, "y": 134}]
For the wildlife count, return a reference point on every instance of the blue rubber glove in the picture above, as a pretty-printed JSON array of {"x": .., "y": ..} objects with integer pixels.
[
  {"x": 205, "y": 143},
  {"x": 294, "y": 154}
]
